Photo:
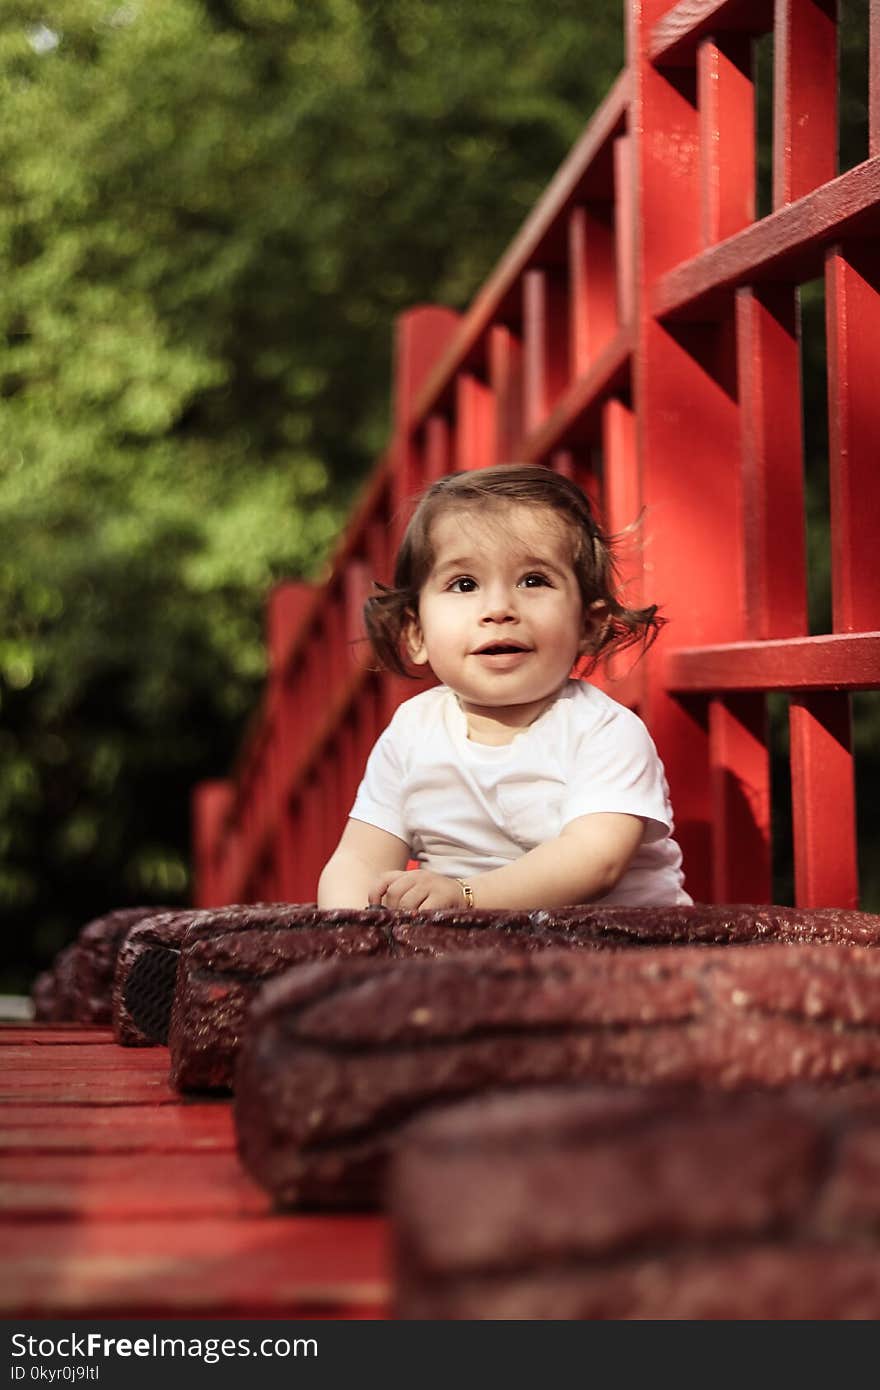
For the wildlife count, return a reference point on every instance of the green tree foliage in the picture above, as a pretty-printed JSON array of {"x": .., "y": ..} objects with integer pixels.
[{"x": 210, "y": 212}]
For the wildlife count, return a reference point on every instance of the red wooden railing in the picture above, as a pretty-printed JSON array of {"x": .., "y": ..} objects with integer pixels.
[{"x": 641, "y": 334}]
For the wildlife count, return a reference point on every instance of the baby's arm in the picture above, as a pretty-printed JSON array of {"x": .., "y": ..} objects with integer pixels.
[
  {"x": 580, "y": 865},
  {"x": 363, "y": 852}
]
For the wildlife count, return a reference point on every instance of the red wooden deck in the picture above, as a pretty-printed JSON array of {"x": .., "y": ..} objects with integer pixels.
[{"x": 120, "y": 1199}]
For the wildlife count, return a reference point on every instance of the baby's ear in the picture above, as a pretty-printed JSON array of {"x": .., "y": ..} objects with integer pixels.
[
  {"x": 414, "y": 641},
  {"x": 596, "y": 619}
]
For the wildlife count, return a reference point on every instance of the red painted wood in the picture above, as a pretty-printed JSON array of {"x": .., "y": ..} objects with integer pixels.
[
  {"x": 676, "y": 35},
  {"x": 423, "y": 336},
  {"x": 804, "y": 97},
  {"x": 545, "y": 344},
  {"x": 622, "y": 512},
  {"x": 625, "y": 229},
  {"x": 121, "y": 1129},
  {"x": 474, "y": 423},
  {"x": 284, "y": 1266},
  {"x": 788, "y": 246},
  {"x": 686, "y": 425},
  {"x": 874, "y": 79},
  {"x": 438, "y": 448},
  {"x": 506, "y": 380},
  {"x": 52, "y": 1035},
  {"x": 577, "y": 416},
  {"x": 98, "y": 1187},
  {"x": 853, "y": 335},
  {"x": 592, "y": 266},
  {"x": 143, "y": 1209},
  {"x": 741, "y": 799},
  {"x": 769, "y": 379},
  {"x": 805, "y": 663},
  {"x": 726, "y": 102},
  {"x": 84, "y": 1088},
  {"x": 823, "y": 801}
]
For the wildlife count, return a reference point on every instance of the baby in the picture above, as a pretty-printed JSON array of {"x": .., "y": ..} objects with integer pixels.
[{"x": 511, "y": 783}]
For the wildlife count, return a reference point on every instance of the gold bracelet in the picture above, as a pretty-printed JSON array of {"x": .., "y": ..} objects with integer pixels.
[{"x": 468, "y": 892}]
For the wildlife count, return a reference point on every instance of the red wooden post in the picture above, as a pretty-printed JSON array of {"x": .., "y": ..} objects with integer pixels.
[
  {"x": 545, "y": 343},
  {"x": 592, "y": 284},
  {"x": 772, "y": 461},
  {"x": 804, "y": 97},
  {"x": 853, "y": 315},
  {"x": 506, "y": 380},
  {"x": 823, "y": 801},
  {"x": 475, "y": 423},
  {"x": 211, "y": 803},
  {"x": 726, "y": 101}
]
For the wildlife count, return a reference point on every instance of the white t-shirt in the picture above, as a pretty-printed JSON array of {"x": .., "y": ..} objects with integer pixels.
[{"x": 465, "y": 808}]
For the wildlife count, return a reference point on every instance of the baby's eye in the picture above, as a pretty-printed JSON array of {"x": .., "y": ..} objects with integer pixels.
[
  {"x": 534, "y": 580},
  {"x": 464, "y": 584}
]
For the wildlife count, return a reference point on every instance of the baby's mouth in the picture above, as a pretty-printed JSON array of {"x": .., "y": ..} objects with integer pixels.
[{"x": 501, "y": 649}]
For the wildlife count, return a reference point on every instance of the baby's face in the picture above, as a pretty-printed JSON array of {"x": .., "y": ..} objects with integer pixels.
[{"x": 501, "y": 620}]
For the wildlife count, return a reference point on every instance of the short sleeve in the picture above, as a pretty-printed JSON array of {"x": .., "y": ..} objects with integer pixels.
[
  {"x": 617, "y": 769},
  {"x": 379, "y": 801}
]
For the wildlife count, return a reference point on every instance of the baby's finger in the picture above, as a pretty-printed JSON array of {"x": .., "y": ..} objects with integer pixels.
[{"x": 382, "y": 884}]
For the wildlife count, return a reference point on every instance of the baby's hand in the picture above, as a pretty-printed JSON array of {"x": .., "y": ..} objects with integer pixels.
[{"x": 416, "y": 888}]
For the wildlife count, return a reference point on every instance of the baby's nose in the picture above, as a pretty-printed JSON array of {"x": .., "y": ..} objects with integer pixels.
[{"x": 499, "y": 607}]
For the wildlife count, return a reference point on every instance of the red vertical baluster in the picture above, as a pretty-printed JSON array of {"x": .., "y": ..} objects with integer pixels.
[
  {"x": 211, "y": 803},
  {"x": 545, "y": 343},
  {"x": 438, "y": 448},
  {"x": 804, "y": 97},
  {"x": 475, "y": 423},
  {"x": 726, "y": 101},
  {"x": 853, "y": 333},
  {"x": 740, "y": 768},
  {"x": 625, "y": 228},
  {"x": 823, "y": 801},
  {"x": 772, "y": 461},
  {"x": 592, "y": 284},
  {"x": 874, "y": 80},
  {"x": 506, "y": 380}
]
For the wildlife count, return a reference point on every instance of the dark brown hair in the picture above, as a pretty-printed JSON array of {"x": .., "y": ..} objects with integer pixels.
[{"x": 388, "y": 611}]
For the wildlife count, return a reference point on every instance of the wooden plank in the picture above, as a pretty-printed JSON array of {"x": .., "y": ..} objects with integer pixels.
[
  {"x": 53, "y": 1035},
  {"x": 674, "y": 38},
  {"x": 853, "y": 336},
  {"x": 577, "y": 415},
  {"x": 823, "y": 801},
  {"x": 836, "y": 662},
  {"x": 437, "y": 448},
  {"x": 121, "y": 1129},
  {"x": 804, "y": 97},
  {"x": 474, "y": 423},
  {"x": 592, "y": 267},
  {"x": 740, "y": 769},
  {"x": 726, "y": 103},
  {"x": 874, "y": 78},
  {"x": 97, "y": 1186},
  {"x": 283, "y": 1266},
  {"x": 506, "y": 380},
  {"x": 789, "y": 245},
  {"x": 99, "y": 1088},
  {"x": 545, "y": 344},
  {"x": 85, "y": 1058},
  {"x": 774, "y": 529}
]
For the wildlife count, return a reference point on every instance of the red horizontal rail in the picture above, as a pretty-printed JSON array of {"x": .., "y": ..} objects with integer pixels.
[
  {"x": 836, "y": 662},
  {"x": 675, "y": 37},
  {"x": 788, "y": 245}
]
